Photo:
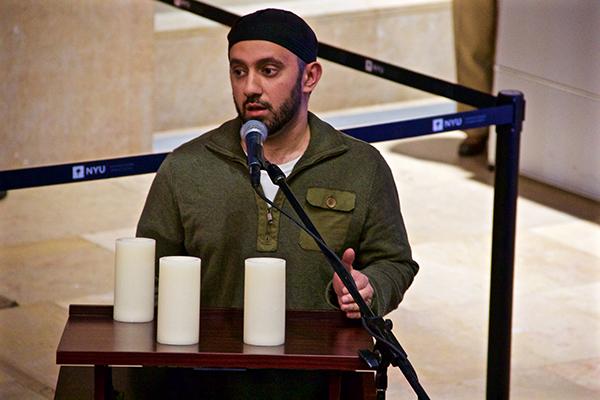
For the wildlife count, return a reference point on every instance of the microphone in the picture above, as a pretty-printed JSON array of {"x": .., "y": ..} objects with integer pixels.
[{"x": 254, "y": 133}]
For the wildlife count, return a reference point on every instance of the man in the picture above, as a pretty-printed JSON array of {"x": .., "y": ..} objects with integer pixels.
[{"x": 201, "y": 202}]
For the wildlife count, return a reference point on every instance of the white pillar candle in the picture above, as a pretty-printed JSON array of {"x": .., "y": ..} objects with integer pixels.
[
  {"x": 264, "y": 301},
  {"x": 134, "y": 280},
  {"x": 178, "y": 300}
]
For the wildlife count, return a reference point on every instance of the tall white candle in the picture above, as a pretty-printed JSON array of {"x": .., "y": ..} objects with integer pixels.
[
  {"x": 264, "y": 301},
  {"x": 178, "y": 300},
  {"x": 134, "y": 280}
]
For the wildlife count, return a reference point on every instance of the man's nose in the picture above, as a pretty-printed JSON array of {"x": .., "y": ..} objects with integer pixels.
[{"x": 252, "y": 85}]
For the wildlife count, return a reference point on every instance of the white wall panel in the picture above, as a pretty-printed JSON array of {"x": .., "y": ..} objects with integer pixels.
[
  {"x": 557, "y": 40},
  {"x": 560, "y": 144},
  {"x": 550, "y": 50}
]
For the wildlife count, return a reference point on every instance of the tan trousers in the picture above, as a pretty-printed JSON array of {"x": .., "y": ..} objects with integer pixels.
[{"x": 475, "y": 46}]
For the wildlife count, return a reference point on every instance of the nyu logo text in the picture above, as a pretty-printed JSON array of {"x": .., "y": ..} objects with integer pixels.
[
  {"x": 440, "y": 124},
  {"x": 182, "y": 4},
  {"x": 81, "y": 171},
  {"x": 371, "y": 66}
]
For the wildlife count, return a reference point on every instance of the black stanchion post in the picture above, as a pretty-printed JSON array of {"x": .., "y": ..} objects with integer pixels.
[{"x": 503, "y": 248}]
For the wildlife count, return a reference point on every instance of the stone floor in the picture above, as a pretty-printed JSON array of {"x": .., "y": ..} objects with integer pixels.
[{"x": 56, "y": 249}]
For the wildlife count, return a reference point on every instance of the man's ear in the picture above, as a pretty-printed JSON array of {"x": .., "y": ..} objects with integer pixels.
[{"x": 312, "y": 75}]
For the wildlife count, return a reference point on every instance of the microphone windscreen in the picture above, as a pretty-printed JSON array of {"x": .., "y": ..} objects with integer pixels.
[{"x": 254, "y": 126}]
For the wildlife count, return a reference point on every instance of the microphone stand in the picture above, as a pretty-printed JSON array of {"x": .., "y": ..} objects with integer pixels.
[{"x": 387, "y": 349}]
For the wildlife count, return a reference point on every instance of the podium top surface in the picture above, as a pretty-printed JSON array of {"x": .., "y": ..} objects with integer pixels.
[{"x": 317, "y": 340}]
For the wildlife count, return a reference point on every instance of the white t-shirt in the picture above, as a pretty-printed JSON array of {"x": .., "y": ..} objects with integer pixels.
[{"x": 269, "y": 187}]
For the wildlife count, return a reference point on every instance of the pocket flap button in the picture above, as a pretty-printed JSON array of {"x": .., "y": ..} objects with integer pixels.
[{"x": 331, "y": 202}]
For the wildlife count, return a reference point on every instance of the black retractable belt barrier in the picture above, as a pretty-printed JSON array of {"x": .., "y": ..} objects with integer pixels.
[
  {"x": 393, "y": 73},
  {"x": 118, "y": 167},
  {"x": 80, "y": 171},
  {"x": 505, "y": 111},
  {"x": 204, "y": 10},
  {"x": 429, "y": 125}
]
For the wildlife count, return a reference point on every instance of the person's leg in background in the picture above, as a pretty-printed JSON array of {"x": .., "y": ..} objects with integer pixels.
[{"x": 475, "y": 46}]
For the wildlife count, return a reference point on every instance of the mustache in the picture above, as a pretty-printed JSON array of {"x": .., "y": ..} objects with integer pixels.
[{"x": 257, "y": 100}]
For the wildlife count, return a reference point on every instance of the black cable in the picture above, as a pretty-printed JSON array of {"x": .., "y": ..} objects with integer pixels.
[{"x": 296, "y": 222}]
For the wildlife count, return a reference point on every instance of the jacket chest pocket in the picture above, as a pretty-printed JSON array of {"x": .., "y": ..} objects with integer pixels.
[{"x": 331, "y": 212}]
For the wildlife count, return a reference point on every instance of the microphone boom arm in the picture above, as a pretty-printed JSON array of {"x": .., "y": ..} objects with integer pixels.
[{"x": 387, "y": 349}]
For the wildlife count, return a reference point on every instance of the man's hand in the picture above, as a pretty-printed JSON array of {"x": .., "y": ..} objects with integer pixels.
[{"x": 347, "y": 303}]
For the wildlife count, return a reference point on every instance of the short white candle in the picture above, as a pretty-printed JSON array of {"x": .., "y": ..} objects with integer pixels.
[
  {"x": 178, "y": 300},
  {"x": 134, "y": 280},
  {"x": 264, "y": 301}
]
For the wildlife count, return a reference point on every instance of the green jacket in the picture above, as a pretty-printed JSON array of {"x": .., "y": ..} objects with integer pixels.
[{"x": 201, "y": 204}]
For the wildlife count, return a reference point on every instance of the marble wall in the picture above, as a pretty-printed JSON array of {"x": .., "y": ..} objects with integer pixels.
[
  {"x": 76, "y": 80},
  {"x": 95, "y": 79}
]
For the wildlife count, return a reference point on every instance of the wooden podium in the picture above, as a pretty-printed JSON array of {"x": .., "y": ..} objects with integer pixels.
[{"x": 315, "y": 340}]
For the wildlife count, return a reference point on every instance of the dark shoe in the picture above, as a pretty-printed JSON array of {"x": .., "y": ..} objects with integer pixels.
[
  {"x": 3, "y": 194},
  {"x": 472, "y": 147}
]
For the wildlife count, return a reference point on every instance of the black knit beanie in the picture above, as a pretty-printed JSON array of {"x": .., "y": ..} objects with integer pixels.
[{"x": 277, "y": 26}]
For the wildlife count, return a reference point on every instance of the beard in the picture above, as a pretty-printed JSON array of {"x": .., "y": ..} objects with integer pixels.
[{"x": 280, "y": 117}]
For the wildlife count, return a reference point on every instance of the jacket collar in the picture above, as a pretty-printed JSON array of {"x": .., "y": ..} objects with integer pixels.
[{"x": 325, "y": 142}]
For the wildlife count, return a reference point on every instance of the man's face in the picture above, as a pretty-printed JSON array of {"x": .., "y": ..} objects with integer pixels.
[{"x": 266, "y": 82}]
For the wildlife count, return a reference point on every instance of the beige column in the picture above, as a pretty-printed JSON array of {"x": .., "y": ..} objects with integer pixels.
[{"x": 75, "y": 80}]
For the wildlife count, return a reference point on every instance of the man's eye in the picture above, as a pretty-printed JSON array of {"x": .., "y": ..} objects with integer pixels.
[
  {"x": 269, "y": 71},
  {"x": 238, "y": 72}
]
